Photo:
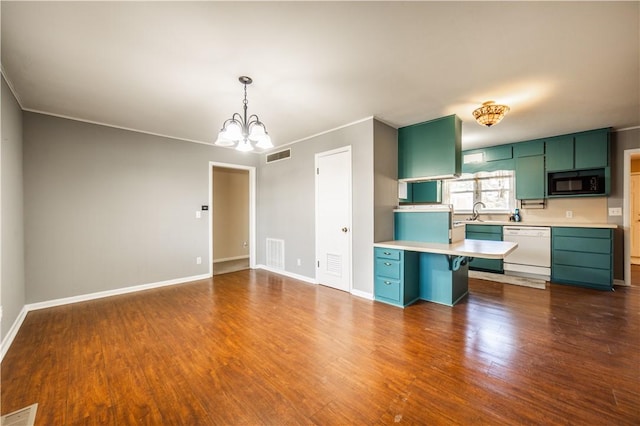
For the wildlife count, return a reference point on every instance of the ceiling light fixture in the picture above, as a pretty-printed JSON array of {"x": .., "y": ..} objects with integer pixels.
[
  {"x": 243, "y": 130},
  {"x": 490, "y": 113}
]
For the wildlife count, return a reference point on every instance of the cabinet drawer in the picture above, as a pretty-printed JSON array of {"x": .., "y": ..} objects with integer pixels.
[
  {"x": 582, "y": 232},
  {"x": 485, "y": 229},
  {"x": 582, "y": 245},
  {"x": 482, "y": 236},
  {"x": 387, "y": 289},
  {"x": 385, "y": 253},
  {"x": 600, "y": 278},
  {"x": 388, "y": 268},
  {"x": 585, "y": 260},
  {"x": 489, "y": 265}
]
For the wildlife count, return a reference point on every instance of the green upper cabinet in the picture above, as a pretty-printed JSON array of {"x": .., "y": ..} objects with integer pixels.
[
  {"x": 500, "y": 152},
  {"x": 423, "y": 192},
  {"x": 592, "y": 149},
  {"x": 430, "y": 150},
  {"x": 586, "y": 150},
  {"x": 427, "y": 192},
  {"x": 530, "y": 177},
  {"x": 559, "y": 153},
  {"x": 529, "y": 169},
  {"x": 527, "y": 149},
  {"x": 489, "y": 159}
]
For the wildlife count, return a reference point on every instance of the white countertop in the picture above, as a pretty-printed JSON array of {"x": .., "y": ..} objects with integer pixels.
[
  {"x": 552, "y": 224},
  {"x": 471, "y": 248}
]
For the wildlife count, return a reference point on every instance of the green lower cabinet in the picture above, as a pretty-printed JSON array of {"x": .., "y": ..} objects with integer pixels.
[
  {"x": 582, "y": 257},
  {"x": 485, "y": 232},
  {"x": 438, "y": 283},
  {"x": 396, "y": 276}
]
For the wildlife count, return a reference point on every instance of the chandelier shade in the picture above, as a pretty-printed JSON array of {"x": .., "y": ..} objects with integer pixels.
[
  {"x": 242, "y": 130},
  {"x": 490, "y": 113}
]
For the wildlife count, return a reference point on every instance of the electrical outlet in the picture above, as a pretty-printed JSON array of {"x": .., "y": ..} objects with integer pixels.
[
  {"x": 198, "y": 260},
  {"x": 569, "y": 214},
  {"x": 198, "y": 214},
  {"x": 299, "y": 262},
  {"x": 615, "y": 211}
]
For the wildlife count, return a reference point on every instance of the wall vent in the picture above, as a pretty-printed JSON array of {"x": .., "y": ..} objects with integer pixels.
[
  {"x": 275, "y": 253},
  {"x": 280, "y": 155}
]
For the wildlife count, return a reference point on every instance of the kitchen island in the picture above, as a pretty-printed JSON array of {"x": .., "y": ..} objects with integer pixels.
[{"x": 407, "y": 271}]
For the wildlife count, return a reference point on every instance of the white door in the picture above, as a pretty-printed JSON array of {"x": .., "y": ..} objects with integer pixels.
[
  {"x": 635, "y": 218},
  {"x": 333, "y": 218}
]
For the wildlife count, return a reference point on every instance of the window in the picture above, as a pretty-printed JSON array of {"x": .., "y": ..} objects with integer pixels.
[{"x": 494, "y": 189}]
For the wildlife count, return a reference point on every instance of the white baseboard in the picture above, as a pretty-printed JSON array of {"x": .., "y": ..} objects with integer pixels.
[
  {"x": 620, "y": 282},
  {"x": 226, "y": 259},
  {"x": 13, "y": 331},
  {"x": 287, "y": 274},
  {"x": 118, "y": 291},
  {"x": 363, "y": 294},
  {"x": 8, "y": 339}
]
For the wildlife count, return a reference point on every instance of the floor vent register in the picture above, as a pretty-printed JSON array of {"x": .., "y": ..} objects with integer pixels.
[{"x": 23, "y": 417}]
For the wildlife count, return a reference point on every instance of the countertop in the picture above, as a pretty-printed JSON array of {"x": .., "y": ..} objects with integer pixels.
[
  {"x": 470, "y": 248},
  {"x": 552, "y": 224}
]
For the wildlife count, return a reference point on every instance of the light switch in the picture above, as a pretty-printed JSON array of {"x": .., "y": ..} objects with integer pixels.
[{"x": 198, "y": 214}]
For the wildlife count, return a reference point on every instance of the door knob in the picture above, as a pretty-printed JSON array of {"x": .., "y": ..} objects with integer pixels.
[{"x": 345, "y": 229}]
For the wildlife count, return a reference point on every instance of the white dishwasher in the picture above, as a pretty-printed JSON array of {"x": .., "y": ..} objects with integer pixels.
[{"x": 532, "y": 258}]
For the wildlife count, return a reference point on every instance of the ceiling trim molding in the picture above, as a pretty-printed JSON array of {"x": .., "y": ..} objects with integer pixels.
[
  {"x": 276, "y": 148},
  {"x": 627, "y": 128},
  {"x": 11, "y": 86},
  {"x": 82, "y": 120}
]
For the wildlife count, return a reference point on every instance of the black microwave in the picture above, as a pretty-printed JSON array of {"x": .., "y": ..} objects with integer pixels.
[{"x": 582, "y": 182}]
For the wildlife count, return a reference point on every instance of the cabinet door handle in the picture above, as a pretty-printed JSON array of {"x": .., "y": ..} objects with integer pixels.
[
  {"x": 387, "y": 283},
  {"x": 386, "y": 253},
  {"x": 387, "y": 264}
]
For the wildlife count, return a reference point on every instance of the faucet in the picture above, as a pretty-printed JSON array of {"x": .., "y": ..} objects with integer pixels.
[{"x": 475, "y": 211}]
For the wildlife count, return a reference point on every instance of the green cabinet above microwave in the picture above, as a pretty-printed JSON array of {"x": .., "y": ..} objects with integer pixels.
[{"x": 578, "y": 151}]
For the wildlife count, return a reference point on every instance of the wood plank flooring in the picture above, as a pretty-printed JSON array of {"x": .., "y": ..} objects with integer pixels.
[{"x": 252, "y": 347}]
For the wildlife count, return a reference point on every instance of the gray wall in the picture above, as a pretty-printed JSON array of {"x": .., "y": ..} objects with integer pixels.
[
  {"x": 286, "y": 202},
  {"x": 620, "y": 141},
  {"x": 11, "y": 205},
  {"x": 107, "y": 208},
  {"x": 385, "y": 169}
]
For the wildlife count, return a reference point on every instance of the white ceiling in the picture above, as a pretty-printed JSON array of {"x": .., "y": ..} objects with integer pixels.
[{"x": 171, "y": 68}]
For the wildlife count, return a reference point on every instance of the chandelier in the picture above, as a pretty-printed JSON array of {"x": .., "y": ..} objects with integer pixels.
[
  {"x": 243, "y": 130},
  {"x": 490, "y": 113}
]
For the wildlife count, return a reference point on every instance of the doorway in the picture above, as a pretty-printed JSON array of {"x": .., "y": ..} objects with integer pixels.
[
  {"x": 333, "y": 218},
  {"x": 634, "y": 211},
  {"x": 631, "y": 220},
  {"x": 232, "y": 200}
]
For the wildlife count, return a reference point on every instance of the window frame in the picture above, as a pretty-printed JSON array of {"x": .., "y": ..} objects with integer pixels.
[{"x": 477, "y": 179}]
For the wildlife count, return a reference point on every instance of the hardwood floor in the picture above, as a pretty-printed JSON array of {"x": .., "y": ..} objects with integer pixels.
[{"x": 253, "y": 347}]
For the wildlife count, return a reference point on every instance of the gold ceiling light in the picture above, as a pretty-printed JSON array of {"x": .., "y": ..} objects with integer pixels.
[{"x": 490, "y": 113}]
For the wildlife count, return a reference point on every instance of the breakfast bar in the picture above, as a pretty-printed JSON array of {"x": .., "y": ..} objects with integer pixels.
[{"x": 407, "y": 271}]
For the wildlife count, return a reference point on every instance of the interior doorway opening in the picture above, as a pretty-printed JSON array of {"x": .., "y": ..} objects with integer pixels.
[
  {"x": 232, "y": 190},
  {"x": 631, "y": 220}
]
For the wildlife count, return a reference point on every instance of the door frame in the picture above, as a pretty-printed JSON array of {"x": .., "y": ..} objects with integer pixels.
[
  {"x": 317, "y": 157},
  {"x": 252, "y": 210},
  {"x": 626, "y": 206}
]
